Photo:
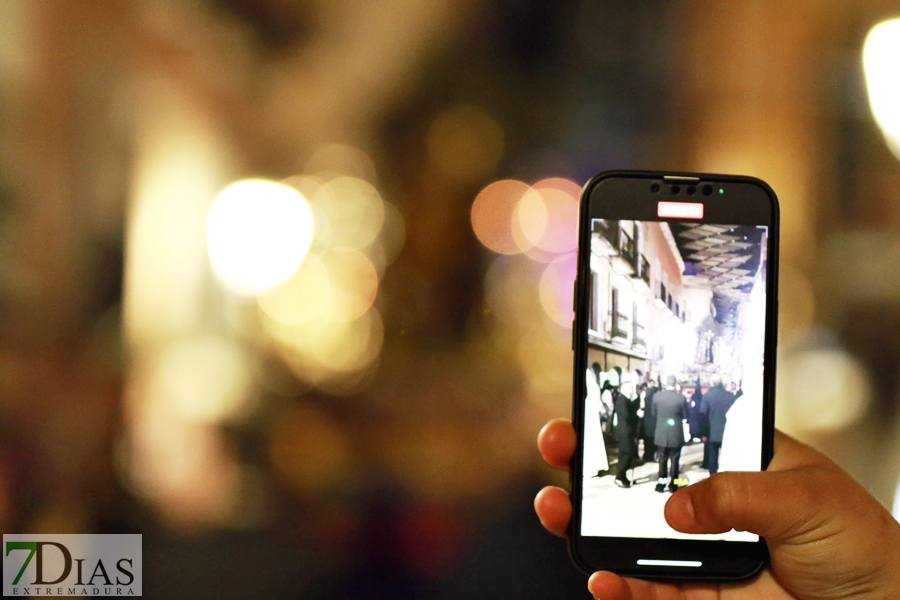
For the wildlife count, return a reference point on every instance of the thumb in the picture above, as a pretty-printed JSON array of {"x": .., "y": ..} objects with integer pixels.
[{"x": 780, "y": 506}]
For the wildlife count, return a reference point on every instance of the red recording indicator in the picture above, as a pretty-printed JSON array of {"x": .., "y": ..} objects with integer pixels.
[{"x": 679, "y": 210}]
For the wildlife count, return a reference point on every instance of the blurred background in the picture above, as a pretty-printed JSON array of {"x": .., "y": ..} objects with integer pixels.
[{"x": 285, "y": 286}]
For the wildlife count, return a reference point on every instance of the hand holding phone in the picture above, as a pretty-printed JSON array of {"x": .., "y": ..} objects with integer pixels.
[
  {"x": 828, "y": 537},
  {"x": 675, "y": 320}
]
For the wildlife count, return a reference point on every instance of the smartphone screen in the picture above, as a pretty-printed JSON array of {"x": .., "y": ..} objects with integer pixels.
[{"x": 674, "y": 340}]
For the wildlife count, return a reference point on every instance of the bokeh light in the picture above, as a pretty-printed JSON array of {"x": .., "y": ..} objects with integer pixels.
[
  {"x": 511, "y": 217},
  {"x": 881, "y": 60},
  {"x": 393, "y": 234},
  {"x": 493, "y": 212},
  {"x": 530, "y": 221},
  {"x": 560, "y": 197},
  {"x": 319, "y": 350},
  {"x": 797, "y": 304},
  {"x": 354, "y": 209},
  {"x": 465, "y": 142},
  {"x": 307, "y": 185},
  {"x": 332, "y": 160},
  {"x": 557, "y": 289},
  {"x": 303, "y": 296},
  {"x": 336, "y": 286},
  {"x": 258, "y": 232},
  {"x": 204, "y": 379},
  {"x": 511, "y": 285},
  {"x": 822, "y": 389},
  {"x": 180, "y": 164},
  {"x": 320, "y": 321},
  {"x": 181, "y": 467},
  {"x": 353, "y": 284},
  {"x": 545, "y": 359}
]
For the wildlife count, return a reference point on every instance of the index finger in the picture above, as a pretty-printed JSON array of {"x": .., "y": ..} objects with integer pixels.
[{"x": 556, "y": 441}]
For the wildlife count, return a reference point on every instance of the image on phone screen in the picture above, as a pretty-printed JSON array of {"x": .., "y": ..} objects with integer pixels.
[{"x": 676, "y": 322}]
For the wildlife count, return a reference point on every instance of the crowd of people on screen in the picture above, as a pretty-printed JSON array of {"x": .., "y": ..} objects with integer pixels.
[{"x": 651, "y": 420}]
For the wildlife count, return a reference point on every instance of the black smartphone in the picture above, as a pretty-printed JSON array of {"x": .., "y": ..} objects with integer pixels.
[{"x": 674, "y": 340}]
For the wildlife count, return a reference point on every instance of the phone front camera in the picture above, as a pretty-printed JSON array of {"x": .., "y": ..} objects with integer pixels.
[
  {"x": 654, "y": 188},
  {"x": 707, "y": 190},
  {"x": 691, "y": 190},
  {"x": 676, "y": 189}
]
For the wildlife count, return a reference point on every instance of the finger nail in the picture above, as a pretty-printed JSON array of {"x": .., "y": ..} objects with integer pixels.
[
  {"x": 689, "y": 507},
  {"x": 680, "y": 511}
]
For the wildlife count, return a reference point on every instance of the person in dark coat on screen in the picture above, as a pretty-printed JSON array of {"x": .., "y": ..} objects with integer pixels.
[
  {"x": 698, "y": 421},
  {"x": 649, "y": 424},
  {"x": 695, "y": 419},
  {"x": 625, "y": 406},
  {"x": 670, "y": 411},
  {"x": 715, "y": 404}
]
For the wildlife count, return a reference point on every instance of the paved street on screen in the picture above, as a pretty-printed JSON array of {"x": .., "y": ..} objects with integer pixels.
[{"x": 638, "y": 511}]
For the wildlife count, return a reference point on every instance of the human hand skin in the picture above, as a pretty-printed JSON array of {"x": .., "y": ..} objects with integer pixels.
[{"x": 827, "y": 536}]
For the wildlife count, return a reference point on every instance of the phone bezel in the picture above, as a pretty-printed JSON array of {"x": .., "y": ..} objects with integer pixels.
[{"x": 627, "y": 195}]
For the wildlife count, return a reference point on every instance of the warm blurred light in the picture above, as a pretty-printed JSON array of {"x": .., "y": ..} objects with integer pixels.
[
  {"x": 438, "y": 460},
  {"x": 881, "y": 60},
  {"x": 556, "y": 289},
  {"x": 333, "y": 160},
  {"x": 822, "y": 389},
  {"x": 349, "y": 212},
  {"x": 309, "y": 186},
  {"x": 320, "y": 350},
  {"x": 339, "y": 285},
  {"x": 545, "y": 358},
  {"x": 204, "y": 379},
  {"x": 377, "y": 256},
  {"x": 540, "y": 221},
  {"x": 548, "y": 219},
  {"x": 560, "y": 198},
  {"x": 493, "y": 212},
  {"x": 510, "y": 217},
  {"x": 797, "y": 301},
  {"x": 258, "y": 232},
  {"x": 511, "y": 290},
  {"x": 322, "y": 230},
  {"x": 303, "y": 296},
  {"x": 310, "y": 452},
  {"x": 276, "y": 378},
  {"x": 560, "y": 184},
  {"x": 354, "y": 284},
  {"x": 465, "y": 142},
  {"x": 530, "y": 220},
  {"x": 180, "y": 161},
  {"x": 321, "y": 319},
  {"x": 393, "y": 234},
  {"x": 182, "y": 468},
  {"x": 354, "y": 209}
]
